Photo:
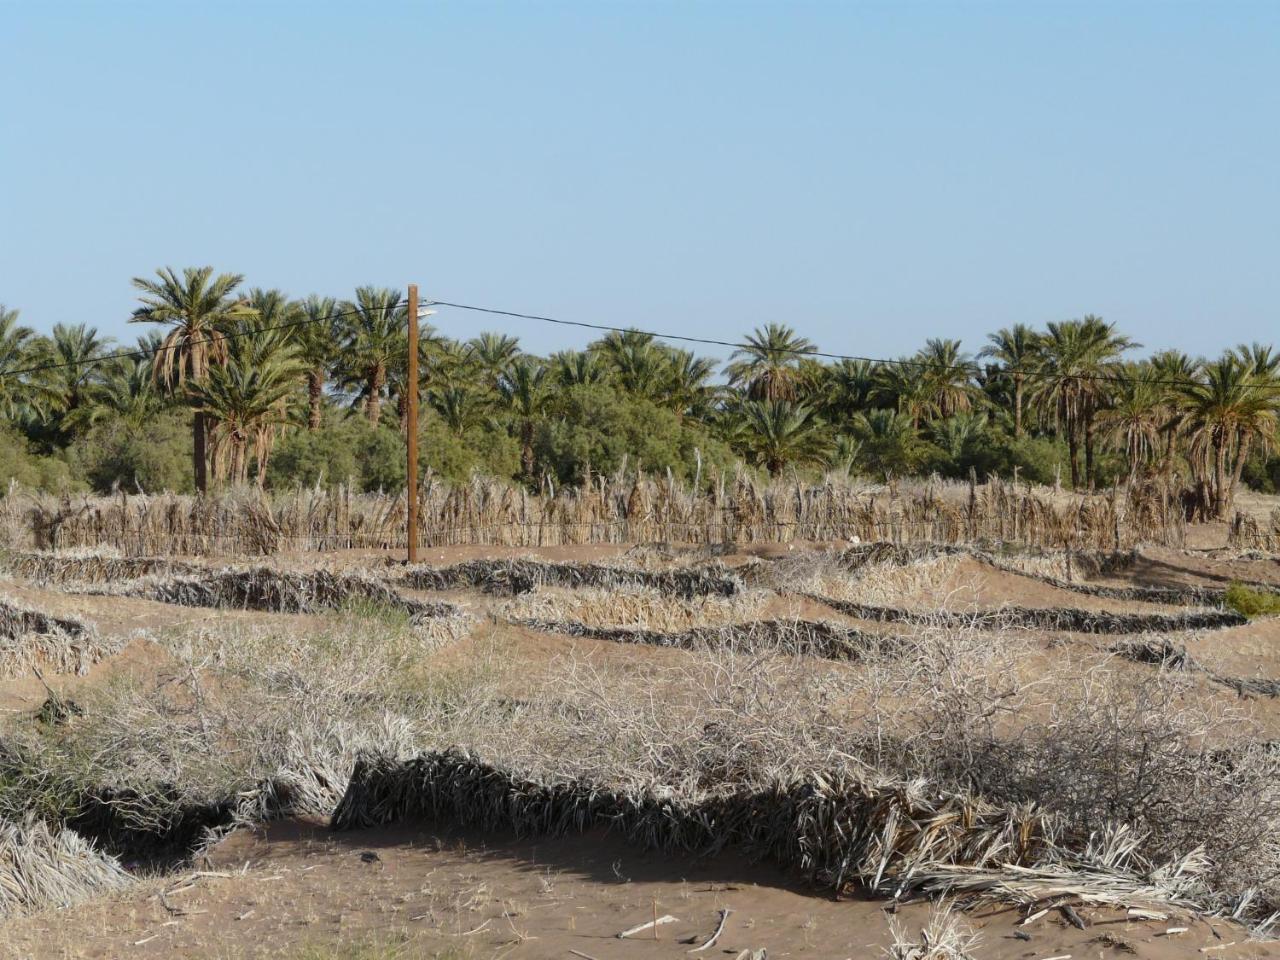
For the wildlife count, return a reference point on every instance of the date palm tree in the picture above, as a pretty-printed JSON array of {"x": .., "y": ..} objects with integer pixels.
[
  {"x": 571, "y": 368},
  {"x": 1224, "y": 414},
  {"x": 196, "y": 307},
  {"x": 685, "y": 388},
  {"x": 524, "y": 393},
  {"x": 318, "y": 343},
  {"x": 1132, "y": 421},
  {"x": 779, "y": 433},
  {"x": 1078, "y": 367},
  {"x": 72, "y": 356},
  {"x": 1017, "y": 351},
  {"x": 900, "y": 385},
  {"x": 947, "y": 372},
  {"x": 246, "y": 399},
  {"x": 16, "y": 342},
  {"x": 769, "y": 368},
  {"x": 493, "y": 354},
  {"x": 374, "y": 337}
]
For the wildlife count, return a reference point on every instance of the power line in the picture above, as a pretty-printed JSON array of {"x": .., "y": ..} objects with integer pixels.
[{"x": 970, "y": 369}]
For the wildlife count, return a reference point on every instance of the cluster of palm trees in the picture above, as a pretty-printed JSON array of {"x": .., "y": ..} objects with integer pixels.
[{"x": 251, "y": 364}]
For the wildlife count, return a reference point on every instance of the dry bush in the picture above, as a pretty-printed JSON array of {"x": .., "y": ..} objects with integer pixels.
[{"x": 637, "y": 607}]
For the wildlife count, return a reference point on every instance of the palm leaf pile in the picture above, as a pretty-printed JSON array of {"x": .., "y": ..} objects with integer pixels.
[
  {"x": 803, "y": 638},
  {"x": 40, "y": 867},
  {"x": 888, "y": 838},
  {"x": 1046, "y": 618},
  {"x": 280, "y": 591},
  {"x": 29, "y": 638},
  {"x": 510, "y": 577},
  {"x": 73, "y": 568}
]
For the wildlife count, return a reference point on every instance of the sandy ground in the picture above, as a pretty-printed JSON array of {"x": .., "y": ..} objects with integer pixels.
[{"x": 442, "y": 891}]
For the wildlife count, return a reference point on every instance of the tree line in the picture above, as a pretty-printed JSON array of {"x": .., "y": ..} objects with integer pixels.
[{"x": 249, "y": 385}]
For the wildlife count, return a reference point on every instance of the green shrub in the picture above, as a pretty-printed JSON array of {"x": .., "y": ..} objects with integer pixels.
[
  {"x": 20, "y": 464},
  {"x": 151, "y": 456},
  {"x": 1252, "y": 602}
]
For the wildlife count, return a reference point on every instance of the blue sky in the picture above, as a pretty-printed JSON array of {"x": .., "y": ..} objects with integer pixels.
[{"x": 872, "y": 174}]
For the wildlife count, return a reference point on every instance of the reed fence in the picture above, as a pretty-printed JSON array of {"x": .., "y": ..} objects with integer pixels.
[{"x": 638, "y": 509}]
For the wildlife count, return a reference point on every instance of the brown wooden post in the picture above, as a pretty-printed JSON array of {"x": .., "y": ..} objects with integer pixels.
[{"x": 411, "y": 479}]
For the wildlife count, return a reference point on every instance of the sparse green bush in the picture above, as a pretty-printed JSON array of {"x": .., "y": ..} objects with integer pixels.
[{"x": 1252, "y": 602}]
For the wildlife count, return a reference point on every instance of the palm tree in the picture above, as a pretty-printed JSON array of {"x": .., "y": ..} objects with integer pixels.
[
  {"x": 636, "y": 361},
  {"x": 770, "y": 364},
  {"x": 779, "y": 432},
  {"x": 959, "y": 432},
  {"x": 685, "y": 389},
  {"x": 318, "y": 341},
  {"x": 15, "y": 354},
  {"x": 848, "y": 388},
  {"x": 493, "y": 354},
  {"x": 246, "y": 399},
  {"x": 374, "y": 337},
  {"x": 460, "y": 407},
  {"x": 1017, "y": 350},
  {"x": 946, "y": 371},
  {"x": 577, "y": 367},
  {"x": 524, "y": 393},
  {"x": 1079, "y": 360},
  {"x": 1132, "y": 421},
  {"x": 71, "y": 357},
  {"x": 1229, "y": 410},
  {"x": 196, "y": 308},
  {"x": 900, "y": 385},
  {"x": 888, "y": 441},
  {"x": 1174, "y": 369}
]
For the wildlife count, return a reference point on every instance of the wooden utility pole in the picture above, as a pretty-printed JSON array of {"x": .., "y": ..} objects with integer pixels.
[{"x": 411, "y": 480}]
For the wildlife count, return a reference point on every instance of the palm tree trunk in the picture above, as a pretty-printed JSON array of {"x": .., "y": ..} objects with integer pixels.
[
  {"x": 373, "y": 402},
  {"x": 1017, "y": 405},
  {"x": 199, "y": 454},
  {"x": 526, "y": 450},
  {"x": 315, "y": 397},
  {"x": 1073, "y": 450},
  {"x": 1242, "y": 454},
  {"x": 1089, "y": 470},
  {"x": 1220, "y": 478}
]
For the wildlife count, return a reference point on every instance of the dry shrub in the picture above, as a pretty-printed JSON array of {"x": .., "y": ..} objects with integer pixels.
[
  {"x": 637, "y": 607},
  {"x": 40, "y": 867}
]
